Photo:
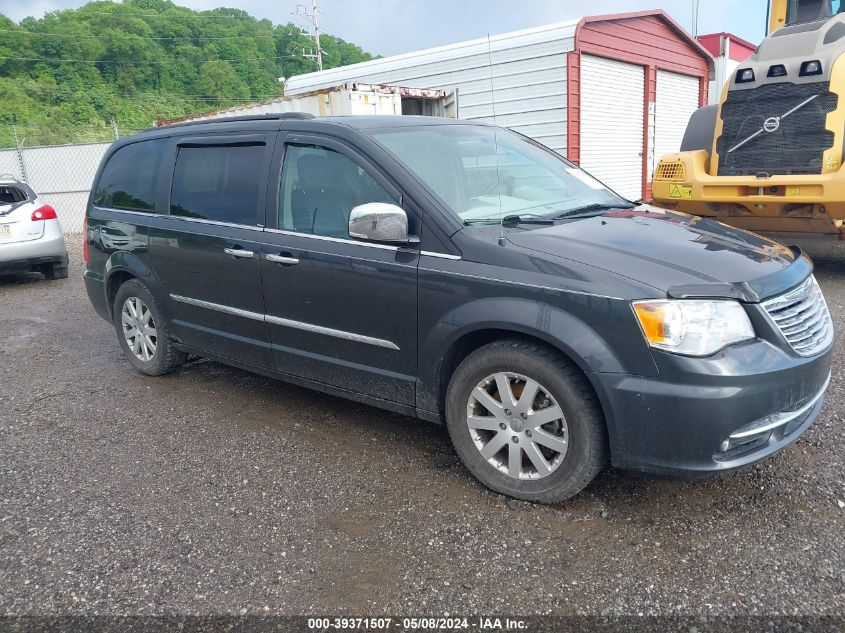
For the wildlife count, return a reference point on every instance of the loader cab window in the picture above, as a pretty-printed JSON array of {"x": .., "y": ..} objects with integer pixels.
[{"x": 803, "y": 11}]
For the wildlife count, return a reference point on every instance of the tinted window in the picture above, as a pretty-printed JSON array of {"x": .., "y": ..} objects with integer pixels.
[
  {"x": 319, "y": 189},
  {"x": 218, "y": 182},
  {"x": 129, "y": 178}
]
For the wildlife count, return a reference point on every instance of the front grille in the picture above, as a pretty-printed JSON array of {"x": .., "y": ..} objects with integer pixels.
[
  {"x": 802, "y": 317},
  {"x": 671, "y": 171},
  {"x": 796, "y": 140}
]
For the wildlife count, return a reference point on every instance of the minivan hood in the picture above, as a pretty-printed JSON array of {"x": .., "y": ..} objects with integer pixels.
[{"x": 683, "y": 255}]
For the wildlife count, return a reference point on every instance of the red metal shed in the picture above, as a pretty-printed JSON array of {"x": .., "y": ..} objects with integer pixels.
[{"x": 645, "y": 52}]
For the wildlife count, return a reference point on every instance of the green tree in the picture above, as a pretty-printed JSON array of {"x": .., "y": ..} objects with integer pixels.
[
  {"x": 218, "y": 80},
  {"x": 63, "y": 77}
]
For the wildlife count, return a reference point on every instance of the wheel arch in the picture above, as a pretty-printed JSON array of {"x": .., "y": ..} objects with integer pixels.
[
  {"x": 123, "y": 266},
  {"x": 581, "y": 346}
]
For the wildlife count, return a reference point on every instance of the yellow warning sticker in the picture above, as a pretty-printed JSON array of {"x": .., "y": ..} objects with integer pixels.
[
  {"x": 679, "y": 191},
  {"x": 793, "y": 191}
]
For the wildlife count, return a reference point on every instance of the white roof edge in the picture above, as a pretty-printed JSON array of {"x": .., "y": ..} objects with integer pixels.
[{"x": 299, "y": 82}]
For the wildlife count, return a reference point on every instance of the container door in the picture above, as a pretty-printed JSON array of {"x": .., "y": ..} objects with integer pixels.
[
  {"x": 450, "y": 105},
  {"x": 612, "y": 119}
]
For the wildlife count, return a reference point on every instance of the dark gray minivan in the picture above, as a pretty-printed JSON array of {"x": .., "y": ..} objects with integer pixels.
[{"x": 465, "y": 274}]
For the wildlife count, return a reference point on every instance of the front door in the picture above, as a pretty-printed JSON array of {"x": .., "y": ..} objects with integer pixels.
[
  {"x": 341, "y": 312},
  {"x": 206, "y": 252}
]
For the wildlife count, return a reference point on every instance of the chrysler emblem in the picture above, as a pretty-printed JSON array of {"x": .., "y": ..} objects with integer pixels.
[{"x": 772, "y": 124}]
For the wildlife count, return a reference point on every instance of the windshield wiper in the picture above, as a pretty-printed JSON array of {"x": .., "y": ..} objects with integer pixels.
[
  {"x": 514, "y": 219},
  {"x": 593, "y": 208}
]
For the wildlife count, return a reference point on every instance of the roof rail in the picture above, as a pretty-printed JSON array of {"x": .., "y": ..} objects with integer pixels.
[{"x": 246, "y": 117}]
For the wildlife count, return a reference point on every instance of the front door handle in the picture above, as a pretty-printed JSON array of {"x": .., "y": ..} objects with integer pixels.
[
  {"x": 238, "y": 253},
  {"x": 281, "y": 259}
]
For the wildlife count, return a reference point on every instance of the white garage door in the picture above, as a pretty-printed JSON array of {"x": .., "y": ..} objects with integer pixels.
[
  {"x": 612, "y": 111},
  {"x": 677, "y": 99}
]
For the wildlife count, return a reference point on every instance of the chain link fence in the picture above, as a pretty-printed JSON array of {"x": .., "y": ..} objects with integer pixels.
[{"x": 61, "y": 175}]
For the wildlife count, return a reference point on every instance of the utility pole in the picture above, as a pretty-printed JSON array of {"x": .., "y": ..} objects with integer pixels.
[
  {"x": 313, "y": 19},
  {"x": 695, "y": 4}
]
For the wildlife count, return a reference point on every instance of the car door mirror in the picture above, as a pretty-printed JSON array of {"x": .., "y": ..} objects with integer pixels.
[{"x": 379, "y": 222}]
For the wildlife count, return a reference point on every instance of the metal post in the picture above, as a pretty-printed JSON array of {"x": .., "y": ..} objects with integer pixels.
[
  {"x": 114, "y": 129},
  {"x": 695, "y": 4},
  {"x": 317, "y": 34},
  {"x": 19, "y": 150}
]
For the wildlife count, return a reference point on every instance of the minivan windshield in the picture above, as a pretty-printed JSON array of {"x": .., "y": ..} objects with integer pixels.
[{"x": 485, "y": 173}]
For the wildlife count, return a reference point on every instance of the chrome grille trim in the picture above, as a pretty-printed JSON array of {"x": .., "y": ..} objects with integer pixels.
[
  {"x": 779, "y": 419},
  {"x": 801, "y": 315}
]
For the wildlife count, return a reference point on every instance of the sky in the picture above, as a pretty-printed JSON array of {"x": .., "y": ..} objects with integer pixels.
[{"x": 389, "y": 27}]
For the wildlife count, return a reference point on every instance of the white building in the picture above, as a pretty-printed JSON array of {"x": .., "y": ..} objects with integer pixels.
[{"x": 612, "y": 93}]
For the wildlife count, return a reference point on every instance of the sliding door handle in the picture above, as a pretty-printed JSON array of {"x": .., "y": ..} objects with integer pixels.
[
  {"x": 281, "y": 259},
  {"x": 238, "y": 253}
]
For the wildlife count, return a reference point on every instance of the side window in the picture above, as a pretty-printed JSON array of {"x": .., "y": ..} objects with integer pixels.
[
  {"x": 218, "y": 182},
  {"x": 320, "y": 187},
  {"x": 129, "y": 178}
]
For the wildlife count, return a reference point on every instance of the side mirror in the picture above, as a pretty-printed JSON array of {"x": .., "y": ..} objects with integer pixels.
[{"x": 379, "y": 222}]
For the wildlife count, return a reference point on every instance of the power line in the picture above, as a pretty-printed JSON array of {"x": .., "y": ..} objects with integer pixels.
[
  {"x": 153, "y": 97},
  {"x": 117, "y": 61},
  {"x": 191, "y": 15},
  {"x": 137, "y": 37}
]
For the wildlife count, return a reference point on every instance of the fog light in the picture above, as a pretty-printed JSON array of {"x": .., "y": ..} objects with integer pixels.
[{"x": 724, "y": 446}]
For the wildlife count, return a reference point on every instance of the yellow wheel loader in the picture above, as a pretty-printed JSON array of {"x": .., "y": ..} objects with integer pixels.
[{"x": 769, "y": 157}]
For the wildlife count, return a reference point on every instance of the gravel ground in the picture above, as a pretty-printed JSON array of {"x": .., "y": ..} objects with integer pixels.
[{"x": 214, "y": 491}]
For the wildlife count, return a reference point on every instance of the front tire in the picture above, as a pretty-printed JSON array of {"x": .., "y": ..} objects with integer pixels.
[
  {"x": 525, "y": 422},
  {"x": 142, "y": 331}
]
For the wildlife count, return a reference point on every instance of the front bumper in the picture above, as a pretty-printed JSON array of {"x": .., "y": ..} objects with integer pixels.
[
  {"x": 708, "y": 416},
  {"x": 807, "y": 203}
]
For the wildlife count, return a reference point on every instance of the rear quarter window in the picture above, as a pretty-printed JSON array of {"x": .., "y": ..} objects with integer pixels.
[{"x": 129, "y": 180}]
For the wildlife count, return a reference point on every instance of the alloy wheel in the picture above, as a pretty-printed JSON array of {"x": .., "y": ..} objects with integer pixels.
[
  {"x": 139, "y": 328},
  {"x": 517, "y": 426}
]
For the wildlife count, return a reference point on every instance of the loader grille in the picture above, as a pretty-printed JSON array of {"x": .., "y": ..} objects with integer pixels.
[{"x": 794, "y": 140}]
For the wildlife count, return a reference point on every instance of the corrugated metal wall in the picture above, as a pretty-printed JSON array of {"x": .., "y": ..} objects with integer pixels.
[{"x": 527, "y": 70}]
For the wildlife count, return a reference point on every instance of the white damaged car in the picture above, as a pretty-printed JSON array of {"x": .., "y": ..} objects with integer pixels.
[{"x": 30, "y": 234}]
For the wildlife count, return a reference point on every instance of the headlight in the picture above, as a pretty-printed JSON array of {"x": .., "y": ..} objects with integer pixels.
[{"x": 693, "y": 328}]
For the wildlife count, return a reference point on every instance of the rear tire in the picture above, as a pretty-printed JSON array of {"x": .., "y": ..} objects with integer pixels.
[
  {"x": 142, "y": 331},
  {"x": 549, "y": 425},
  {"x": 57, "y": 270}
]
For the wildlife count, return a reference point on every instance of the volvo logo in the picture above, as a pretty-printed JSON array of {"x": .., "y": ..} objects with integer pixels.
[{"x": 772, "y": 124}]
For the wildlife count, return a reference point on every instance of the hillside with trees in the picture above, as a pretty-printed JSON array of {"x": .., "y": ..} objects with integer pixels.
[{"x": 67, "y": 76}]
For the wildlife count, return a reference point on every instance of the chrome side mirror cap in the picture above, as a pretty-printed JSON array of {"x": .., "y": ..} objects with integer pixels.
[{"x": 379, "y": 222}]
